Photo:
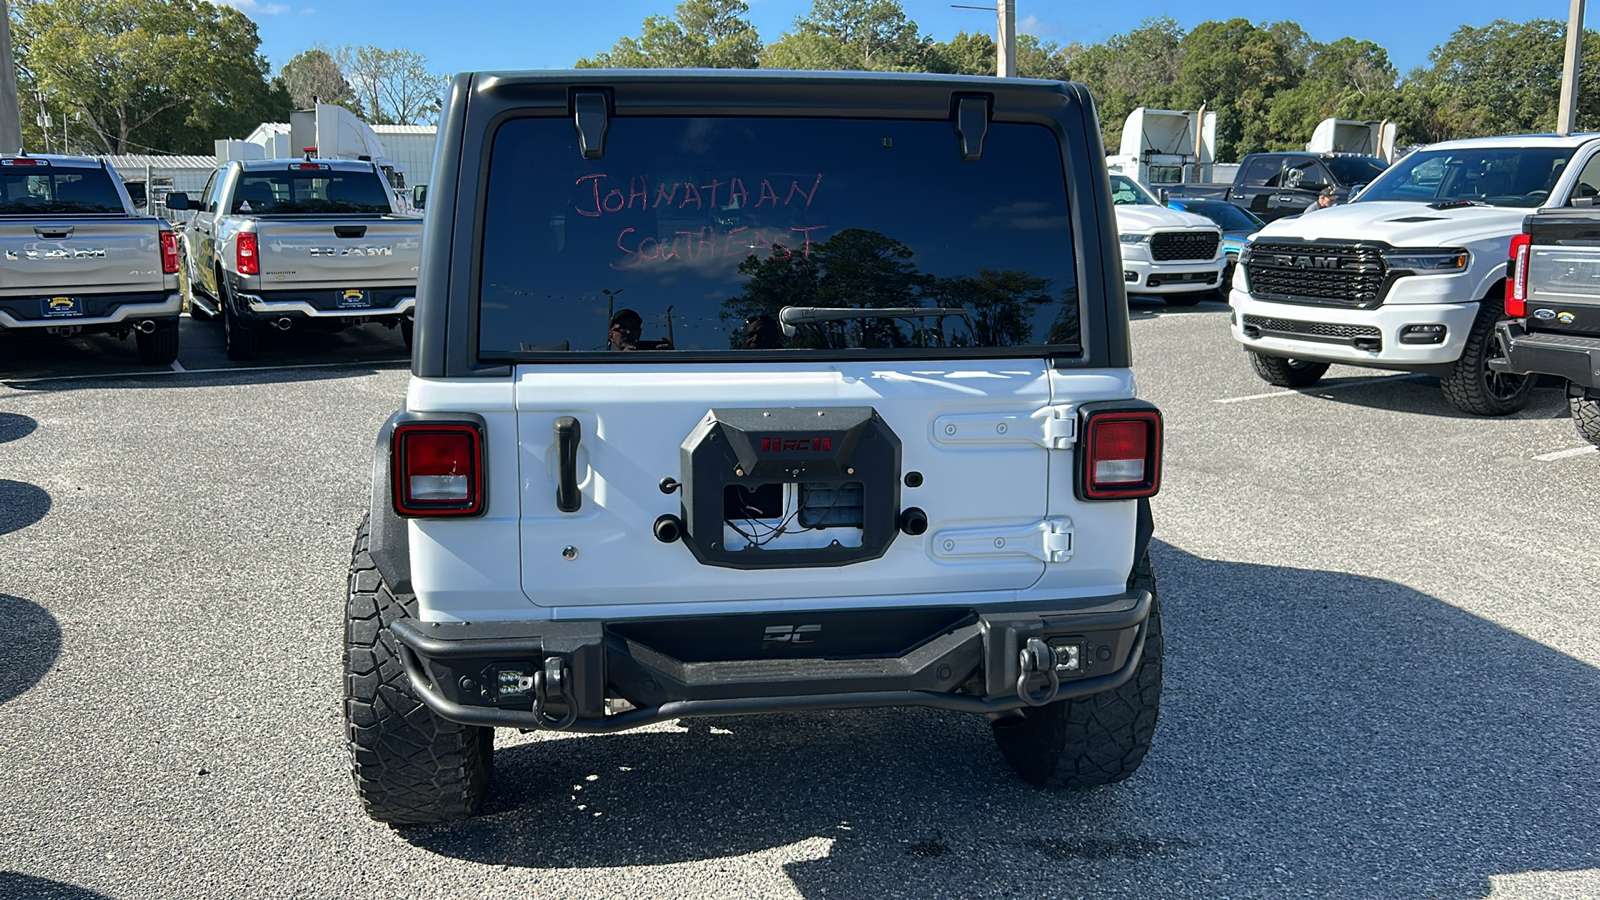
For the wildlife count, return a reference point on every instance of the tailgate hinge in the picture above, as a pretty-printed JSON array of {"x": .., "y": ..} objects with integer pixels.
[
  {"x": 1049, "y": 540},
  {"x": 1052, "y": 427}
]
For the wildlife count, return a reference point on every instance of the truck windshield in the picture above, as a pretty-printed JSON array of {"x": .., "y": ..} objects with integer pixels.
[
  {"x": 324, "y": 191},
  {"x": 695, "y": 234},
  {"x": 37, "y": 190},
  {"x": 1127, "y": 192},
  {"x": 1496, "y": 176}
]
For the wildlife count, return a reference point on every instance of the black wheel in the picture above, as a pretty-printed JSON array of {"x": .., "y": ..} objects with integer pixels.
[
  {"x": 242, "y": 338},
  {"x": 1096, "y": 740},
  {"x": 1472, "y": 386},
  {"x": 410, "y": 766},
  {"x": 159, "y": 347},
  {"x": 1287, "y": 372},
  {"x": 1586, "y": 416},
  {"x": 1191, "y": 299},
  {"x": 406, "y": 328}
]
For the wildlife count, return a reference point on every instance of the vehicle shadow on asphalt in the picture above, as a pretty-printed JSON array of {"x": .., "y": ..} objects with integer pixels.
[
  {"x": 14, "y": 426},
  {"x": 1322, "y": 734},
  {"x": 31, "y": 644},
  {"x": 17, "y": 886},
  {"x": 1421, "y": 395},
  {"x": 1150, "y": 307},
  {"x": 21, "y": 504}
]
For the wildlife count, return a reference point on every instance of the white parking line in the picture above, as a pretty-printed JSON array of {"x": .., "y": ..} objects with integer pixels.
[
  {"x": 179, "y": 370},
  {"x": 1563, "y": 454},
  {"x": 1316, "y": 389}
]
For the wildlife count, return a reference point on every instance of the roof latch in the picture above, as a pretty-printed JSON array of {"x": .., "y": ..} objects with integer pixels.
[
  {"x": 972, "y": 125},
  {"x": 591, "y": 117}
]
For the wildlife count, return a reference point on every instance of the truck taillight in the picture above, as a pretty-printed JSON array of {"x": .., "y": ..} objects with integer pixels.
[
  {"x": 437, "y": 469},
  {"x": 169, "y": 252},
  {"x": 1121, "y": 455},
  {"x": 1517, "y": 278},
  {"x": 247, "y": 257}
]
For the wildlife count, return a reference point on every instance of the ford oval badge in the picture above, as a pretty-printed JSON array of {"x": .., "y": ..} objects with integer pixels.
[{"x": 1544, "y": 313}]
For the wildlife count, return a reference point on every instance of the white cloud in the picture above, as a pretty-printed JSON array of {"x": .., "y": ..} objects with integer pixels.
[
  {"x": 257, "y": 8},
  {"x": 1031, "y": 24}
]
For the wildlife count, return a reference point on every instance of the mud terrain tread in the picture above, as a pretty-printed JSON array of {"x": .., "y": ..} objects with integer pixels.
[
  {"x": 1464, "y": 386},
  {"x": 409, "y": 765},
  {"x": 1096, "y": 740},
  {"x": 1278, "y": 371},
  {"x": 1586, "y": 417}
]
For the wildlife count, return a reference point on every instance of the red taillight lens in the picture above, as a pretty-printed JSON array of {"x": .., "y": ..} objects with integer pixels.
[
  {"x": 22, "y": 161},
  {"x": 169, "y": 252},
  {"x": 247, "y": 258},
  {"x": 437, "y": 470},
  {"x": 1517, "y": 278},
  {"x": 1122, "y": 455}
]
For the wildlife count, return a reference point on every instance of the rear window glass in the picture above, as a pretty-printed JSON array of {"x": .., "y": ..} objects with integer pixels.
[
  {"x": 48, "y": 190},
  {"x": 309, "y": 192},
  {"x": 716, "y": 234}
]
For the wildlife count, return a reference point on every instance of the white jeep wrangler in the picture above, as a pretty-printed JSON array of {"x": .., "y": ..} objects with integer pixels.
[{"x": 740, "y": 393}]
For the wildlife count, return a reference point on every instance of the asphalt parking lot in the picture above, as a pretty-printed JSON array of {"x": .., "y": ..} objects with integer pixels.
[{"x": 1383, "y": 670}]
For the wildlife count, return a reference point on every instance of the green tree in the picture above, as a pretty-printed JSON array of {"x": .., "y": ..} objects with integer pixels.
[
  {"x": 713, "y": 34},
  {"x": 1139, "y": 68},
  {"x": 1347, "y": 79},
  {"x": 965, "y": 54},
  {"x": 1235, "y": 68},
  {"x": 393, "y": 87},
  {"x": 162, "y": 74},
  {"x": 314, "y": 75},
  {"x": 866, "y": 35}
]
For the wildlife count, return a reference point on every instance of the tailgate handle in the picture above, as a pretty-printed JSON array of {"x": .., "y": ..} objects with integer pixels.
[
  {"x": 350, "y": 231},
  {"x": 53, "y": 232},
  {"x": 568, "y": 434}
]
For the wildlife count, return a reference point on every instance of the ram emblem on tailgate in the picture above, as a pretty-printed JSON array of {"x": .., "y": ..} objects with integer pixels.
[
  {"x": 95, "y": 253},
  {"x": 352, "y": 251}
]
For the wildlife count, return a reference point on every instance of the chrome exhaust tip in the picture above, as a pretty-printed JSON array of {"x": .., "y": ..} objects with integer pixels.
[
  {"x": 148, "y": 326},
  {"x": 285, "y": 323}
]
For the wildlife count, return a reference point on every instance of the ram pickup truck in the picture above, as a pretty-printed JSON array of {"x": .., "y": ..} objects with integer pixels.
[
  {"x": 1411, "y": 275},
  {"x": 76, "y": 259},
  {"x": 1553, "y": 304},
  {"x": 864, "y": 435},
  {"x": 1174, "y": 255},
  {"x": 1277, "y": 185},
  {"x": 283, "y": 243}
]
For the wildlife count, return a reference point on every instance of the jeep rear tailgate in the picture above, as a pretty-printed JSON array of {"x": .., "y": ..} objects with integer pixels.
[
  {"x": 334, "y": 251},
  {"x": 79, "y": 254}
]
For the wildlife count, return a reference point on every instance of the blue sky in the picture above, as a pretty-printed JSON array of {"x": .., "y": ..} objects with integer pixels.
[{"x": 538, "y": 34}]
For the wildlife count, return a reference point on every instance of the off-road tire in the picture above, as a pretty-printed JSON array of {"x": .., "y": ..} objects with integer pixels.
[
  {"x": 410, "y": 766},
  {"x": 1096, "y": 740},
  {"x": 1586, "y": 417},
  {"x": 243, "y": 339},
  {"x": 1190, "y": 299},
  {"x": 159, "y": 347},
  {"x": 1472, "y": 386},
  {"x": 1286, "y": 372}
]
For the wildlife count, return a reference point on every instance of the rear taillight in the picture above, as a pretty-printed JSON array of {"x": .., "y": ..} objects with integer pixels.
[
  {"x": 1121, "y": 456},
  {"x": 1517, "y": 278},
  {"x": 437, "y": 470},
  {"x": 169, "y": 252},
  {"x": 247, "y": 258}
]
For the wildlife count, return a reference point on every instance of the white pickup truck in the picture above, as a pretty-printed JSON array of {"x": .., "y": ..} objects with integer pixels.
[
  {"x": 76, "y": 259},
  {"x": 1411, "y": 274},
  {"x": 283, "y": 243},
  {"x": 1174, "y": 255}
]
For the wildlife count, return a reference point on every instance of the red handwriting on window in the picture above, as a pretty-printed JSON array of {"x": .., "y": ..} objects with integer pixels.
[
  {"x": 600, "y": 194},
  {"x": 710, "y": 243}
]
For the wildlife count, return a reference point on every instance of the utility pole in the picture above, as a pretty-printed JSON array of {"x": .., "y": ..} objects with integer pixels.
[
  {"x": 1569, "y": 70},
  {"x": 1007, "y": 45},
  {"x": 10, "y": 113}
]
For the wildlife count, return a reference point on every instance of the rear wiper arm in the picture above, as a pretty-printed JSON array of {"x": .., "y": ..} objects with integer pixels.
[{"x": 790, "y": 316}]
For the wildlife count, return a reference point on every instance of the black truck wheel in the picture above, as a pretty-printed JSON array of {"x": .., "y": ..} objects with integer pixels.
[
  {"x": 1472, "y": 386},
  {"x": 1286, "y": 372},
  {"x": 242, "y": 338},
  {"x": 159, "y": 347},
  {"x": 410, "y": 766},
  {"x": 1096, "y": 740},
  {"x": 1586, "y": 416}
]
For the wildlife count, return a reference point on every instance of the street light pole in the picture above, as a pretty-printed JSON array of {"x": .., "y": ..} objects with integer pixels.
[
  {"x": 1569, "y": 70},
  {"x": 10, "y": 113},
  {"x": 1007, "y": 67}
]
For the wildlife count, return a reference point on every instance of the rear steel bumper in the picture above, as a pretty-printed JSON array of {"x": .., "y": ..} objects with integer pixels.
[
  {"x": 169, "y": 308},
  {"x": 1573, "y": 357}
]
